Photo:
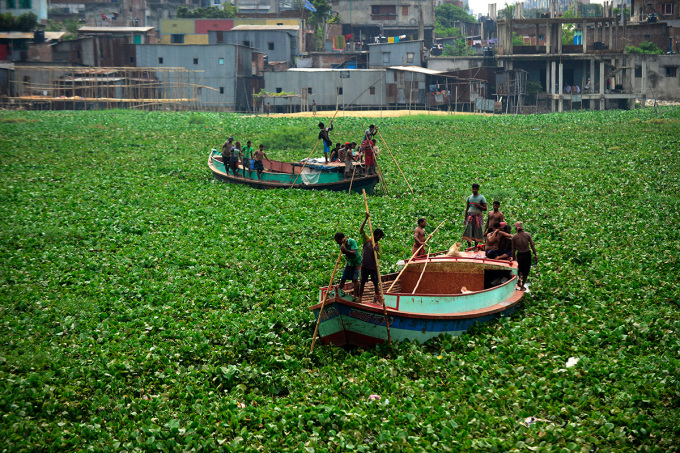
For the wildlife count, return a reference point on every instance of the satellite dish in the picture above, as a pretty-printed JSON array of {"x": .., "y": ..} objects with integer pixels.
[{"x": 413, "y": 21}]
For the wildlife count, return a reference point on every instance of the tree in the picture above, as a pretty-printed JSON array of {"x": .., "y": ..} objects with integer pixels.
[
  {"x": 459, "y": 48},
  {"x": 208, "y": 12},
  {"x": 646, "y": 47},
  {"x": 508, "y": 12},
  {"x": 445, "y": 18},
  {"x": 25, "y": 22}
]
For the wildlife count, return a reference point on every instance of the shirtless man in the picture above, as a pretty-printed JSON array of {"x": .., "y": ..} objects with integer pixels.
[
  {"x": 521, "y": 242},
  {"x": 419, "y": 237},
  {"x": 493, "y": 217},
  {"x": 258, "y": 165}
]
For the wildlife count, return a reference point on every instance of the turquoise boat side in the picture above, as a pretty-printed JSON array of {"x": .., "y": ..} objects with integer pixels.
[
  {"x": 327, "y": 180},
  {"x": 423, "y": 315}
]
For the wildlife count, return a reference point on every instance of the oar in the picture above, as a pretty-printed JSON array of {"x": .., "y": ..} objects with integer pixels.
[
  {"x": 413, "y": 256},
  {"x": 427, "y": 258},
  {"x": 351, "y": 181},
  {"x": 395, "y": 161},
  {"x": 377, "y": 268},
  {"x": 323, "y": 302}
]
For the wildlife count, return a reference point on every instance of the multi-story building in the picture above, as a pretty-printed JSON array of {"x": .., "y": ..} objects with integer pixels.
[
  {"x": 366, "y": 20},
  {"x": 19, "y": 7}
]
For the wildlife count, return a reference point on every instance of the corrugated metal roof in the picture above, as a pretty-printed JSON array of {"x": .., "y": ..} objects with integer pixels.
[
  {"x": 333, "y": 70},
  {"x": 49, "y": 35},
  {"x": 16, "y": 35},
  {"x": 415, "y": 69},
  {"x": 114, "y": 29},
  {"x": 266, "y": 27}
]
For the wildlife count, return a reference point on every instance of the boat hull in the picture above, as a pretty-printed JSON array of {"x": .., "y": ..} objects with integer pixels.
[
  {"x": 293, "y": 179},
  {"x": 425, "y": 315}
]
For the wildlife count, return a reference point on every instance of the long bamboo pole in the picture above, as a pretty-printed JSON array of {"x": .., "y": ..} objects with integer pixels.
[
  {"x": 377, "y": 268},
  {"x": 377, "y": 170},
  {"x": 354, "y": 170},
  {"x": 310, "y": 154},
  {"x": 413, "y": 256},
  {"x": 323, "y": 302},
  {"x": 395, "y": 161},
  {"x": 427, "y": 259}
]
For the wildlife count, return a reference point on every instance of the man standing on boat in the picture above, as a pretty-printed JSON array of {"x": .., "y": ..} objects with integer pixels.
[
  {"x": 258, "y": 165},
  {"x": 247, "y": 153},
  {"x": 474, "y": 217},
  {"x": 369, "y": 267},
  {"x": 323, "y": 135},
  {"x": 419, "y": 238},
  {"x": 234, "y": 157},
  {"x": 350, "y": 249},
  {"x": 370, "y": 133},
  {"x": 521, "y": 242}
]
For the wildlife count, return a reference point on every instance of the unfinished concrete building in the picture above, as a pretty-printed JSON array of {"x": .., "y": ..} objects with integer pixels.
[{"x": 592, "y": 71}]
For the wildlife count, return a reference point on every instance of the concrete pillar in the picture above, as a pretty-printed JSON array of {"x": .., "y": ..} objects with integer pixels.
[
  {"x": 553, "y": 70},
  {"x": 559, "y": 38},
  {"x": 536, "y": 33},
  {"x": 643, "y": 87},
  {"x": 547, "y": 76},
  {"x": 592, "y": 75},
  {"x": 611, "y": 41},
  {"x": 602, "y": 82},
  {"x": 548, "y": 38},
  {"x": 585, "y": 36},
  {"x": 560, "y": 106}
]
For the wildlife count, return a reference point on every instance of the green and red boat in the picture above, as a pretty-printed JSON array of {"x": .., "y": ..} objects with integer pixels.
[
  {"x": 434, "y": 295},
  {"x": 295, "y": 175}
]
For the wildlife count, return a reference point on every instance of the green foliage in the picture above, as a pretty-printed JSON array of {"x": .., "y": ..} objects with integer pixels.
[
  {"x": 227, "y": 11},
  {"x": 645, "y": 47},
  {"x": 25, "y": 22},
  {"x": 517, "y": 40},
  {"x": 508, "y": 12},
  {"x": 446, "y": 16},
  {"x": 458, "y": 48},
  {"x": 291, "y": 137},
  {"x": 322, "y": 14},
  {"x": 533, "y": 88},
  {"x": 146, "y": 307}
]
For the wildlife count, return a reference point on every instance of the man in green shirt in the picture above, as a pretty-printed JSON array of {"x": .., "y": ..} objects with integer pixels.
[
  {"x": 350, "y": 249},
  {"x": 247, "y": 153}
]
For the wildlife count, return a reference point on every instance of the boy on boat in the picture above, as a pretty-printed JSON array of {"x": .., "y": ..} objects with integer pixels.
[
  {"x": 323, "y": 135},
  {"x": 246, "y": 153},
  {"x": 475, "y": 204},
  {"x": 350, "y": 249},
  {"x": 493, "y": 217},
  {"x": 258, "y": 165},
  {"x": 349, "y": 161},
  {"x": 419, "y": 238},
  {"x": 370, "y": 133},
  {"x": 234, "y": 157},
  {"x": 521, "y": 242},
  {"x": 503, "y": 241},
  {"x": 369, "y": 267}
]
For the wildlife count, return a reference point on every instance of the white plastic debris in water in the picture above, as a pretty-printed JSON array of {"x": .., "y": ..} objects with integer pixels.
[
  {"x": 572, "y": 361},
  {"x": 531, "y": 420}
]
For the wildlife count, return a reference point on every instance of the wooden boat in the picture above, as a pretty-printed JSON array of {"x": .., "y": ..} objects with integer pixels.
[
  {"x": 282, "y": 175},
  {"x": 454, "y": 294}
]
